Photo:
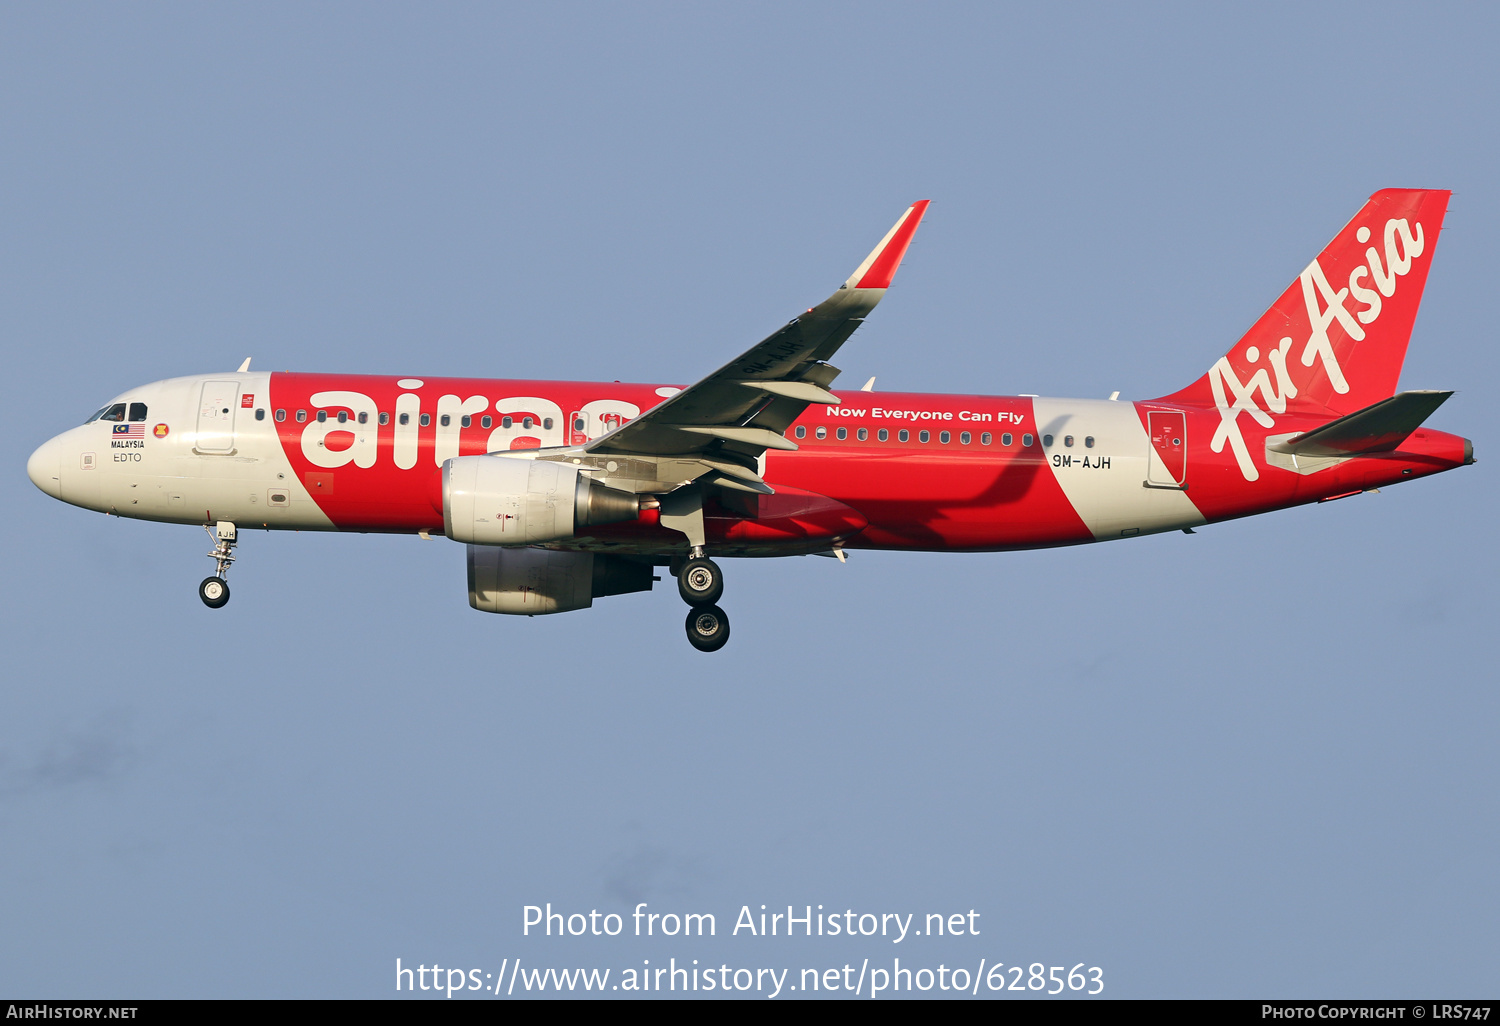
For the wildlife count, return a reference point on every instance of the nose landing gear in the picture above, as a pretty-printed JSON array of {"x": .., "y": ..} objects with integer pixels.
[{"x": 214, "y": 591}]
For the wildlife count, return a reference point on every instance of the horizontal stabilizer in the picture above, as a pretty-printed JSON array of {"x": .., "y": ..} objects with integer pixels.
[{"x": 1377, "y": 428}]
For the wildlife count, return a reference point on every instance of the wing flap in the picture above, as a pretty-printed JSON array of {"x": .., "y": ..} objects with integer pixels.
[{"x": 749, "y": 435}]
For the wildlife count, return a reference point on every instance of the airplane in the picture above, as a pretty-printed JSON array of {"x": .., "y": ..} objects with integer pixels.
[{"x": 567, "y": 492}]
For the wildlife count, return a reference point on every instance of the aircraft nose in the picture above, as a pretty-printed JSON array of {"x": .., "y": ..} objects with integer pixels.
[{"x": 45, "y": 467}]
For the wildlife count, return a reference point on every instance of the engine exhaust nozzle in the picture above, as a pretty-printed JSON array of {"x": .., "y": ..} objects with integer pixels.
[{"x": 599, "y": 504}]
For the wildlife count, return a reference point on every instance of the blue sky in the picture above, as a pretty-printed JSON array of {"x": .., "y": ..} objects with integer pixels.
[{"x": 1254, "y": 761}]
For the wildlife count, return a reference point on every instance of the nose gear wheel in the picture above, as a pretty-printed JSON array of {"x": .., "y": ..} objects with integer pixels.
[{"x": 214, "y": 591}]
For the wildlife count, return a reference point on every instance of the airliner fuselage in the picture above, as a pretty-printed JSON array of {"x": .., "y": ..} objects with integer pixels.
[
  {"x": 565, "y": 492},
  {"x": 878, "y": 470}
]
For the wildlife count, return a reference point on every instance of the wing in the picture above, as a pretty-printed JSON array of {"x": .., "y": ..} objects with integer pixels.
[{"x": 744, "y": 408}]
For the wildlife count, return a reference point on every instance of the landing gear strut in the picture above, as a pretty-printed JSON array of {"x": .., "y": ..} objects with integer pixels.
[{"x": 214, "y": 591}]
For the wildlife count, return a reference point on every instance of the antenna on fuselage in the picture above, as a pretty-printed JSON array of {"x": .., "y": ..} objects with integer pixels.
[
  {"x": 868, "y": 386},
  {"x": 244, "y": 366}
]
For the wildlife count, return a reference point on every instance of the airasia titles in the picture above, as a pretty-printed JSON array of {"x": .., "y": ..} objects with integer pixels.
[
  {"x": 1324, "y": 306},
  {"x": 520, "y": 422}
]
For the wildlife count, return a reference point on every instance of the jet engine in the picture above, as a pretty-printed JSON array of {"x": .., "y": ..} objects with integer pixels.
[
  {"x": 531, "y": 582},
  {"x": 500, "y": 500}
]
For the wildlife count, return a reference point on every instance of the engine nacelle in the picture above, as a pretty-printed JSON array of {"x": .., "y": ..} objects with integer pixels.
[
  {"x": 500, "y": 500},
  {"x": 531, "y": 582}
]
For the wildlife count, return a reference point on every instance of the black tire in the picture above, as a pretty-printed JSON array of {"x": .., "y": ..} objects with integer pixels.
[
  {"x": 214, "y": 591},
  {"x": 700, "y": 582},
  {"x": 707, "y": 628}
]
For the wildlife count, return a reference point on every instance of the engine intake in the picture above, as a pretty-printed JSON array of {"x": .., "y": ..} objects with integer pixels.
[{"x": 500, "y": 500}]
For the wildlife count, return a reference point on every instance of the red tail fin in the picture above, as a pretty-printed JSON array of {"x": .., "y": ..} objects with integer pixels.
[{"x": 1337, "y": 337}]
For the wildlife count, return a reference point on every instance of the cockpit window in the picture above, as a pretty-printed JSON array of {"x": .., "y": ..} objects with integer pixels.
[
  {"x": 115, "y": 412},
  {"x": 137, "y": 412}
]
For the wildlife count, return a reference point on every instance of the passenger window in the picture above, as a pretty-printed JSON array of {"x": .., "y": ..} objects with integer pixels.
[
  {"x": 343, "y": 417},
  {"x": 425, "y": 419},
  {"x": 945, "y": 437},
  {"x": 1047, "y": 441},
  {"x": 385, "y": 418},
  {"x": 1026, "y": 440},
  {"x": 843, "y": 434},
  {"x": 1007, "y": 438},
  {"x": 505, "y": 422},
  {"x": 903, "y": 435},
  {"x": 883, "y": 435},
  {"x": 822, "y": 432},
  {"x": 1068, "y": 441},
  {"x": 322, "y": 416},
  {"x": 466, "y": 421},
  {"x": 546, "y": 424},
  {"x": 301, "y": 416},
  {"x": 526, "y": 423},
  {"x": 924, "y": 436},
  {"x": 363, "y": 418},
  {"x": 965, "y": 438},
  {"x": 1088, "y": 441},
  {"x": 863, "y": 434},
  {"x": 444, "y": 420},
  {"x": 486, "y": 421},
  {"x": 403, "y": 419},
  {"x": 260, "y": 414},
  {"x": 986, "y": 438},
  {"x": 801, "y": 431},
  {"x": 137, "y": 412},
  {"x": 280, "y": 416}
]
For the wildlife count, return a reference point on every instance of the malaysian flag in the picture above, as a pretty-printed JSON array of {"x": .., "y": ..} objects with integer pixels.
[{"x": 130, "y": 431}]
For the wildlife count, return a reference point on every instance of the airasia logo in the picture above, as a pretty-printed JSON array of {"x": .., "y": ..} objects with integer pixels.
[
  {"x": 1272, "y": 381},
  {"x": 351, "y": 432}
]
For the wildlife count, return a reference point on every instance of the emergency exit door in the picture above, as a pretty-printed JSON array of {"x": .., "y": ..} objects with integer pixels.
[
  {"x": 216, "y": 416},
  {"x": 1166, "y": 464}
]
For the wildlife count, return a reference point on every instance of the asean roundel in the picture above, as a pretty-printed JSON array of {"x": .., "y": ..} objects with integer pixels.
[{"x": 160, "y": 431}]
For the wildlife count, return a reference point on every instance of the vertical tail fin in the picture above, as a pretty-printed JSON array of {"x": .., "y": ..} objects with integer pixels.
[{"x": 1337, "y": 337}]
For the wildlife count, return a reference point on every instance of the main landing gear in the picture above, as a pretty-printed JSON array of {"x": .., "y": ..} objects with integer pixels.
[
  {"x": 214, "y": 591},
  {"x": 700, "y": 582},
  {"x": 707, "y": 628}
]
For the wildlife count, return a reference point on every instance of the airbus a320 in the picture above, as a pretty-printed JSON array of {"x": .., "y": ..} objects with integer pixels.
[{"x": 567, "y": 492}]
